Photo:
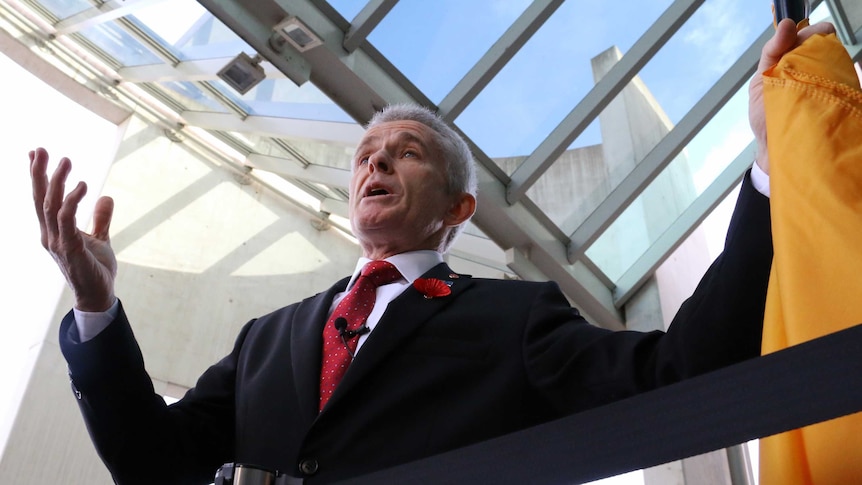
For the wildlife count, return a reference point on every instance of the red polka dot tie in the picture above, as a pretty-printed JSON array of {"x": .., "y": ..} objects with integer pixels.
[{"x": 342, "y": 330}]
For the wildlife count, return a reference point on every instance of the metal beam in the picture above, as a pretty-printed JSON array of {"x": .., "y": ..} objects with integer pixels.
[
  {"x": 668, "y": 148},
  {"x": 286, "y": 167},
  {"x": 161, "y": 51},
  {"x": 683, "y": 226},
  {"x": 497, "y": 56},
  {"x": 336, "y": 207},
  {"x": 516, "y": 229},
  {"x": 366, "y": 20},
  {"x": 329, "y": 131},
  {"x": 237, "y": 107},
  {"x": 254, "y": 24},
  {"x": 193, "y": 70},
  {"x": 598, "y": 98},
  {"x": 855, "y": 51}
]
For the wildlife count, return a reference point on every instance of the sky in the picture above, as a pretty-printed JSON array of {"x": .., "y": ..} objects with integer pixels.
[{"x": 34, "y": 114}]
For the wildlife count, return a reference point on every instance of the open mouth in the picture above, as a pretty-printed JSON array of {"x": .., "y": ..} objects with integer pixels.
[{"x": 375, "y": 191}]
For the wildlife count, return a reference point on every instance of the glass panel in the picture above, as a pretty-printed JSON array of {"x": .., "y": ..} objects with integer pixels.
[
  {"x": 65, "y": 8},
  {"x": 823, "y": 14},
  {"x": 191, "y": 96},
  {"x": 327, "y": 154},
  {"x": 455, "y": 35},
  {"x": 622, "y": 135},
  {"x": 160, "y": 18},
  {"x": 631, "y": 234},
  {"x": 576, "y": 182},
  {"x": 284, "y": 99},
  {"x": 720, "y": 141},
  {"x": 121, "y": 46},
  {"x": 201, "y": 36},
  {"x": 676, "y": 187},
  {"x": 702, "y": 51},
  {"x": 347, "y": 8},
  {"x": 551, "y": 73},
  {"x": 637, "y": 120}
]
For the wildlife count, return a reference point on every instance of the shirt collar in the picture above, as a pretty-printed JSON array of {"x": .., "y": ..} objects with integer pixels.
[{"x": 411, "y": 265}]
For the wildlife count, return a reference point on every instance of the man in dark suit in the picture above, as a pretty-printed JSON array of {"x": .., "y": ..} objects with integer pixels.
[{"x": 442, "y": 360}]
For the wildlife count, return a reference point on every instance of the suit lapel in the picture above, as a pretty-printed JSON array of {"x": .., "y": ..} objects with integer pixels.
[
  {"x": 403, "y": 315},
  {"x": 306, "y": 344}
]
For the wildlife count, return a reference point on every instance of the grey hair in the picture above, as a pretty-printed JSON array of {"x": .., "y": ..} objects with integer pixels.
[{"x": 460, "y": 167}]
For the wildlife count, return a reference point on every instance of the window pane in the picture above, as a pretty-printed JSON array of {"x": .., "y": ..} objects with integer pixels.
[
  {"x": 65, "y": 8},
  {"x": 675, "y": 188},
  {"x": 550, "y": 74},
  {"x": 436, "y": 43},
  {"x": 190, "y": 96},
  {"x": 282, "y": 98},
  {"x": 121, "y": 46}
]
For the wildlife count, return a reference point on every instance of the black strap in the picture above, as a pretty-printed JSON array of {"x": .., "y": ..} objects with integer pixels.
[{"x": 802, "y": 385}]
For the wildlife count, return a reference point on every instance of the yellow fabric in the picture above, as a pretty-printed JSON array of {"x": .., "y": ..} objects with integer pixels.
[{"x": 814, "y": 129}]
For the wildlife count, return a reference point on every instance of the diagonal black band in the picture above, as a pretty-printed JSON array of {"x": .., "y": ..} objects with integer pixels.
[{"x": 802, "y": 385}]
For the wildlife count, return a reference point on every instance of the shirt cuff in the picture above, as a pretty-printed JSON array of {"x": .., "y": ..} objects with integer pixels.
[
  {"x": 91, "y": 323},
  {"x": 760, "y": 180}
]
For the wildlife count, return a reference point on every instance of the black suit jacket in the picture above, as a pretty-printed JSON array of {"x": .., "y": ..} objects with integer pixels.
[{"x": 436, "y": 374}]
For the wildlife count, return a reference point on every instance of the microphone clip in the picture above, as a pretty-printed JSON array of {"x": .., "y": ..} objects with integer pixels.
[{"x": 340, "y": 324}]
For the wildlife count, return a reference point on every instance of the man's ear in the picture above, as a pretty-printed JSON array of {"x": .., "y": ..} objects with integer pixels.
[{"x": 462, "y": 208}]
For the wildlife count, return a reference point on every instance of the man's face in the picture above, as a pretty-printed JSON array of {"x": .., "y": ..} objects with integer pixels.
[{"x": 398, "y": 191}]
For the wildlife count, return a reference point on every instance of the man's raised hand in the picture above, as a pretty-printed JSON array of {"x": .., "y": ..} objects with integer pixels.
[
  {"x": 86, "y": 260},
  {"x": 785, "y": 39}
]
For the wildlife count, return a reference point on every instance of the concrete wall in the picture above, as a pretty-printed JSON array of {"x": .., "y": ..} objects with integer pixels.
[{"x": 201, "y": 251}]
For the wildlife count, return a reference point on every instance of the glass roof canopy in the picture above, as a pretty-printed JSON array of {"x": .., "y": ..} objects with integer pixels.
[{"x": 518, "y": 78}]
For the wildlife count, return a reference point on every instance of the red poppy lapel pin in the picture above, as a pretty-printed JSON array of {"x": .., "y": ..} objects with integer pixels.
[{"x": 432, "y": 287}]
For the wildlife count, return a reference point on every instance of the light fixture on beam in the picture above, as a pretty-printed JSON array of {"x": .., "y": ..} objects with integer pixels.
[
  {"x": 243, "y": 72},
  {"x": 297, "y": 34}
]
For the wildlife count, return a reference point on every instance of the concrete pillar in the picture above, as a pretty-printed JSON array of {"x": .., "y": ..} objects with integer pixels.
[
  {"x": 853, "y": 9},
  {"x": 632, "y": 125}
]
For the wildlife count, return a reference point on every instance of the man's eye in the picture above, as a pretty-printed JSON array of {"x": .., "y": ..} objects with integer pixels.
[
  {"x": 410, "y": 154},
  {"x": 363, "y": 160}
]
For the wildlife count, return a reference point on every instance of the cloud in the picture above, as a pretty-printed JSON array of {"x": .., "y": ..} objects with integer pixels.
[{"x": 716, "y": 29}]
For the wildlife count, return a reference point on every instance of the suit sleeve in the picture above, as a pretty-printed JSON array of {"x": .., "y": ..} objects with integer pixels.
[
  {"x": 138, "y": 436},
  {"x": 577, "y": 366},
  {"x": 722, "y": 322}
]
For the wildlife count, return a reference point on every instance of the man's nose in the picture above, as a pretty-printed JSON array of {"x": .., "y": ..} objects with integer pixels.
[{"x": 380, "y": 161}]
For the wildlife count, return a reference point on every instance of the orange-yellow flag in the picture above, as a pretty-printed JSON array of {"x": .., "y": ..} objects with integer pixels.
[{"x": 814, "y": 127}]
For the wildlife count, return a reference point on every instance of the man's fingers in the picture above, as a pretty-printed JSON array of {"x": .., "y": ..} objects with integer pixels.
[
  {"x": 67, "y": 228},
  {"x": 39, "y": 178},
  {"x": 787, "y": 38},
  {"x": 102, "y": 214},
  {"x": 783, "y": 40},
  {"x": 54, "y": 197},
  {"x": 820, "y": 28}
]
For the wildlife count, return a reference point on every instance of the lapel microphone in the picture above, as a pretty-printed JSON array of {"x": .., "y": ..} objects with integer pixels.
[{"x": 341, "y": 325}]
